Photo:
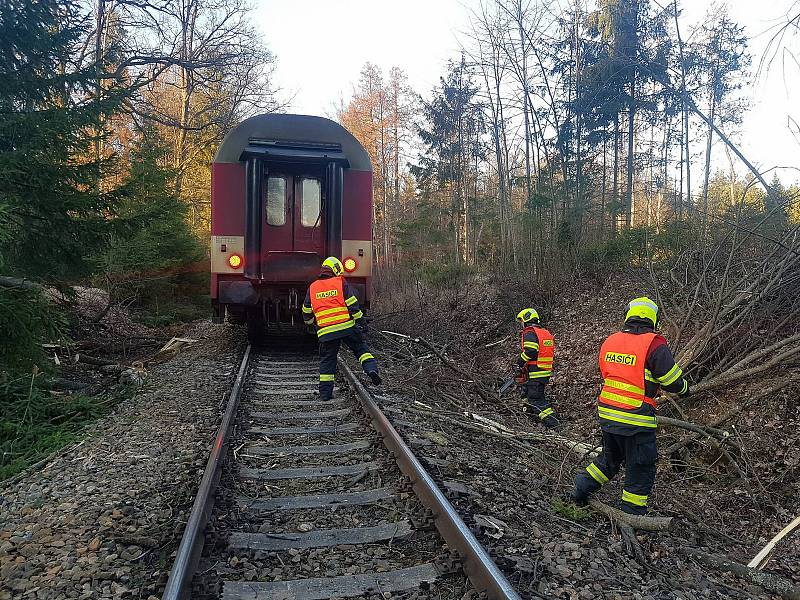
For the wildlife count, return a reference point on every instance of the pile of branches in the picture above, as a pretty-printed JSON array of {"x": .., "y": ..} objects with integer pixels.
[
  {"x": 733, "y": 316},
  {"x": 734, "y": 307}
]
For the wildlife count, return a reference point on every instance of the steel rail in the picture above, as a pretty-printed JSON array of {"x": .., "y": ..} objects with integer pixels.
[
  {"x": 478, "y": 566},
  {"x": 188, "y": 555}
]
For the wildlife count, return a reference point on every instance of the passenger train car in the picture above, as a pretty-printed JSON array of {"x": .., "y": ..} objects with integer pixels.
[{"x": 286, "y": 191}]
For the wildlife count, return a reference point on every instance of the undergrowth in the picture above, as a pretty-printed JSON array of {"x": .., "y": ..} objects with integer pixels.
[
  {"x": 570, "y": 510},
  {"x": 35, "y": 422}
]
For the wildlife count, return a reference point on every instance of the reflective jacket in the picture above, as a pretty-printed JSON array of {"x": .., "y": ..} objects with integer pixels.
[
  {"x": 538, "y": 348},
  {"x": 332, "y": 305},
  {"x": 635, "y": 363}
]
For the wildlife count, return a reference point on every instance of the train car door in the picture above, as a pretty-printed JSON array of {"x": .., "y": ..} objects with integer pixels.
[{"x": 293, "y": 209}]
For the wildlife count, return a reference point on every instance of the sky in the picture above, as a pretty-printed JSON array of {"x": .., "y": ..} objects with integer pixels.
[{"x": 321, "y": 46}]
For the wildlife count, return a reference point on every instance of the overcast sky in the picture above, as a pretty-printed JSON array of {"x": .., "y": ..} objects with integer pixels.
[{"x": 321, "y": 46}]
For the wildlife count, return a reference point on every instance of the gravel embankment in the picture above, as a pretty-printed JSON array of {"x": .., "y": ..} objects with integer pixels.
[{"x": 102, "y": 520}]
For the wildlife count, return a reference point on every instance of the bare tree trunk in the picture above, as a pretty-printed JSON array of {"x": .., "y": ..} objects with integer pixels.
[
  {"x": 631, "y": 122},
  {"x": 615, "y": 181},
  {"x": 732, "y": 185},
  {"x": 187, "y": 88},
  {"x": 603, "y": 187},
  {"x": 712, "y": 113},
  {"x": 578, "y": 210},
  {"x": 396, "y": 143},
  {"x": 524, "y": 81},
  {"x": 99, "y": 61},
  {"x": 685, "y": 108},
  {"x": 384, "y": 168}
]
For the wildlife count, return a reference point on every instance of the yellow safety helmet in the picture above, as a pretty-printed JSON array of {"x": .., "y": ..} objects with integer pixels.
[
  {"x": 527, "y": 315},
  {"x": 334, "y": 264},
  {"x": 642, "y": 308}
]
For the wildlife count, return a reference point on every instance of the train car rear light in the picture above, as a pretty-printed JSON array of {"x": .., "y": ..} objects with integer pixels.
[
  {"x": 350, "y": 264},
  {"x": 235, "y": 261}
]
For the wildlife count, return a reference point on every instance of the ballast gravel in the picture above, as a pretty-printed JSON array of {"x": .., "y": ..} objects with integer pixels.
[{"x": 103, "y": 519}]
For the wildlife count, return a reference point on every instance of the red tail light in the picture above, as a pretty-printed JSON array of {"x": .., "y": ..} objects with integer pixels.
[
  {"x": 350, "y": 264},
  {"x": 235, "y": 261}
]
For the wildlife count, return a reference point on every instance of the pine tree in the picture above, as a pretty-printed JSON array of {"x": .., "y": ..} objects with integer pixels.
[{"x": 452, "y": 138}]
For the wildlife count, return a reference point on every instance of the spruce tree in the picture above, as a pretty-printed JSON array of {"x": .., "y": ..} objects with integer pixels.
[{"x": 53, "y": 208}]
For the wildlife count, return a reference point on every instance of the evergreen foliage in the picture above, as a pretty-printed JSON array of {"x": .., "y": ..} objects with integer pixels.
[
  {"x": 54, "y": 208},
  {"x": 151, "y": 247}
]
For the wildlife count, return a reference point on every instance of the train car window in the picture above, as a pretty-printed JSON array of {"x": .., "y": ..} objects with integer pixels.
[
  {"x": 309, "y": 213},
  {"x": 276, "y": 201}
]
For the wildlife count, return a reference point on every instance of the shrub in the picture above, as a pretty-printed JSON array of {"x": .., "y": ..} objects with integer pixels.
[
  {"x": 26, "y": 320},
  {"x": 35, "y": 423},
  {"x": 444, "y": 275}
]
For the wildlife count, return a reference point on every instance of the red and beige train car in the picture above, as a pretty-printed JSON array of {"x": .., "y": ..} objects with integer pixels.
[{"x": 286, "y": 191}]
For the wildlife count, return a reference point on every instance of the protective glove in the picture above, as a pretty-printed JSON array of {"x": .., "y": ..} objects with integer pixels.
[{"x": 521, "y": 377}]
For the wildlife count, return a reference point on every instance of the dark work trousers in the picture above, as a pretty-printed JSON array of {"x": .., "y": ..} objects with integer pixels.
[
  {"x": 639, "y": 454},
  {"x": 538, "y": 405},
  {"x": 328, "y": 351}
]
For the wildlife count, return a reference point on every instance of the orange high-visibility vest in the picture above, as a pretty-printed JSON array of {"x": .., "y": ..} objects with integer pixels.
[
  {"x": 329, "y": 305},
  {"x": 543, "y": 365},
  {"x": 623, "y": 358}
]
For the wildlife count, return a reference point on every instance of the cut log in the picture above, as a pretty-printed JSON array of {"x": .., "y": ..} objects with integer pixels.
[
  {"x": 640, "y": 522},
  {"x": 769, "y": 581}
]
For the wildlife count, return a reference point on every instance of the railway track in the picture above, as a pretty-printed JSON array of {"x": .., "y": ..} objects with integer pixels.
[{"x": 313, "y": 500}]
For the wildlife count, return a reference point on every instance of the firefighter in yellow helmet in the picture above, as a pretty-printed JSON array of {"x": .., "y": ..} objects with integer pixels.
[
  {"x": 635, "y": 364},
  {"x": 537, "y": 349},
  {"x": 332, "y": 306}
]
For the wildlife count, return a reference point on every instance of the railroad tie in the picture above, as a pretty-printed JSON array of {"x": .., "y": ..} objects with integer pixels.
[
  {"x": 310, "y": 416},
  {"x": 322, "y": 538},
  {"x": 292, "y": 363},
  {"x": 284, "y": 384},
  {"x": 293, "y": 374},
  {"x": 296, "y": 403},
  {"x": 305, "y": 450},
  {"x": 307, "y": 472},
  {"x": 317, "y": 500},
  {"x": 284, "y": 391},
  {"x": 322, "y": 429},
  {"x": 320, "y": 588}
]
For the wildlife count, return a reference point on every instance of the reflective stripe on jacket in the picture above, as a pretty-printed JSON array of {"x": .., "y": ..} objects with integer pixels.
[
  {"x": 623, "y": 399},
  {"x": 329, "y": 305},
  {"x": 538, "y": 355}
]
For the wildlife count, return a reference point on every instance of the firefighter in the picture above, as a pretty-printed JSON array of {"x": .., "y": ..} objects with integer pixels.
[
  {"x": 332, "y": 305},
  {"x": 535, "y": 367},
  {"x": 635, "y": 363}
]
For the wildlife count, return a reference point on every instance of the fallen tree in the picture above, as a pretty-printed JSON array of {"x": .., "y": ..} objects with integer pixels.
[
  {"x": 769, "y": 581},
  {"x": 641, "y": 522}
]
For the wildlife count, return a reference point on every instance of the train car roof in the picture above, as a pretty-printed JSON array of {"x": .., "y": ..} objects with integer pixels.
[{"x": 301, "y": 129}]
